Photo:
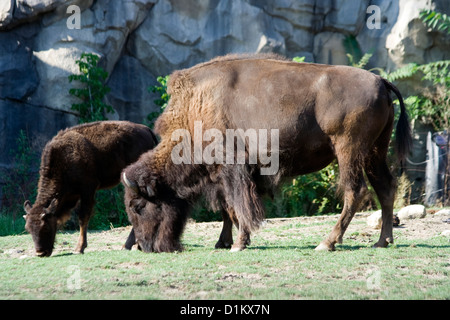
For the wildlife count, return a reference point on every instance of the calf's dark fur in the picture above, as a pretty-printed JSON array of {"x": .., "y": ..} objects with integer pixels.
[{"x": 76, "y": 163}]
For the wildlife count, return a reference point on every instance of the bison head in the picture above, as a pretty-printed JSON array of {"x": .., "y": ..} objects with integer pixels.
[
  {"x": 41, "y": 223},
  {"x": 158, "y": 216}
]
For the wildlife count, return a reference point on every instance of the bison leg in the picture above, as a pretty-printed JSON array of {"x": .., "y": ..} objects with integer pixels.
[
  {"x": 84, "y": 214},
  {"x": 131, "y": 241},
  {"x": 353, "y": 194},
  {"x": 243, "y": 239},
  {"x": 384, "y": 185},
  {"x": 82, "y": 239},
  {"x": 226, "y": 236}
]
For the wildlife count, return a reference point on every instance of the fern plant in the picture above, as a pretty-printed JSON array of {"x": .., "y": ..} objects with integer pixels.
[
  {"x": 431, "y": 107},
  {"x": 361, "y": 63},
  {"x": 404, "y": 72},
  {"x": 435, "y": 20}
]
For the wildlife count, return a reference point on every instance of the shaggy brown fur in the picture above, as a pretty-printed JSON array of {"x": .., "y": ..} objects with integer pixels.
[
  {"x": 322, "y": 113},
  {"x": 161, "y": 226},
  {"x": 76, "y": 163}
]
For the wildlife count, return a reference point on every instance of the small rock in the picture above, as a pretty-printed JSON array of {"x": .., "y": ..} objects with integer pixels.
[
  {"x": 415, "y": 211},
  {"x": 446, "y": 233},
  {"x": 443, "y": 212},
  {"x": 14, "y": 251},
  {"x": 374, "y": 220}
]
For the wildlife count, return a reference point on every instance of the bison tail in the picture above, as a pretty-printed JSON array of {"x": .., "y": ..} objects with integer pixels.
[{"x": 403, "y": 135}]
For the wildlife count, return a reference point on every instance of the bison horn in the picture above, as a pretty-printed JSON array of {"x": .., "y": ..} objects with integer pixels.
[
  {"x": 151, "y": 188},
  {"x": 150, "y": 192},
  {"x": 129, "y": 184}
]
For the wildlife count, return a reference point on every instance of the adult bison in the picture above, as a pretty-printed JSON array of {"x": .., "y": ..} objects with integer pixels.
[
  {"x": 76, "y": 163},
  {"x": 317, "y": 112}
]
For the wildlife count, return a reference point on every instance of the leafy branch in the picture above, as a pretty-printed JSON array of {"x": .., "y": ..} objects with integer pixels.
[
  {"x": 93, "y": 89},
  {"x": 162, "y": 101}
]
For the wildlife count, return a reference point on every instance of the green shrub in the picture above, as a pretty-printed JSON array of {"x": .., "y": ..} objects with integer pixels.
[
  {"x": 161, "y": 102},
  {"x": 309, "y": 194},
  {"x": 10, "y": 225},
  {"x": 109, "y": 210},
  {"x": 92, "y": 91},
  {"x": 19, "y": 184}
]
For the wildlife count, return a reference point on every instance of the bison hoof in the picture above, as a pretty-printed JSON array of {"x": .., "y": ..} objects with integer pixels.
[
  {"x": 79, "y": 250},
  {"x": 236, "y": 248},
  {"x": 222, "y": 245},
  {"x": 380, "y": 244},
  {"x": 323, "y": 247}
]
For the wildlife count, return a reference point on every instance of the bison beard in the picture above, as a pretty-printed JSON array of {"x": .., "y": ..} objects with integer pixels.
[{"x": 322, "y": 113}]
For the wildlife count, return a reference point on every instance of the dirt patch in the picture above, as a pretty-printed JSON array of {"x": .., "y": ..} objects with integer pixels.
[
  {"x": 208, "y": 232},
  {"x": 428, "y": 227}
]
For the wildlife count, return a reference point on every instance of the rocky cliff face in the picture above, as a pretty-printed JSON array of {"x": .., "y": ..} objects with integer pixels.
[{"x": 141, "y": 39}]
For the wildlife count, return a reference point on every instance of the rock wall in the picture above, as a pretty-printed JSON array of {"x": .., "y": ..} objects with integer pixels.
[{"x": 139, "y": 40}]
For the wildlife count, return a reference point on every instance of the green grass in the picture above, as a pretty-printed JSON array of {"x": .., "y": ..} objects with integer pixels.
[{"x": 280, "y": 264}]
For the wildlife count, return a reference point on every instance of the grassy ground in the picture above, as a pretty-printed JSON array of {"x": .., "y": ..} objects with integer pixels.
[{"x": 280, "y": 264}]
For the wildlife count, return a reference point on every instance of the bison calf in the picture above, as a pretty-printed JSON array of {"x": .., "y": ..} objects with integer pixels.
[{"x": 76, "y": 163}]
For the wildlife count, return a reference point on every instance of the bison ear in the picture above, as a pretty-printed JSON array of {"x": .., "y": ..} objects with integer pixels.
[
  {"x": 51, "y": 208},
  {"x": 27, "y": 206}
]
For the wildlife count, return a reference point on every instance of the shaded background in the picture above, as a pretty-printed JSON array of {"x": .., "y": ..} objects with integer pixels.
[{"x": 139, "y": 40}]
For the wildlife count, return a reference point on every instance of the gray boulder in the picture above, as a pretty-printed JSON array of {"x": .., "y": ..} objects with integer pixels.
[
  {"x": 180, "y": 34},
  {"x": 18, "y": 76},
  {"x": 375, "y": 220},
  {"x": 414, "y": 211},
  {"x": 139, "y": 40}
]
